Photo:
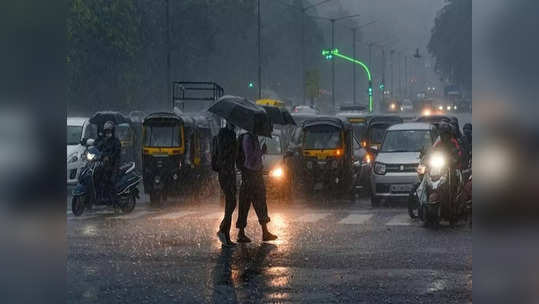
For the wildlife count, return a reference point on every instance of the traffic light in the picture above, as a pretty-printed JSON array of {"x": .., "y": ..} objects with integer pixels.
[
  {"x": 251, "y": 84},
  {"x": 381, "y": 86},
  {"x": 370, "y": 91}
]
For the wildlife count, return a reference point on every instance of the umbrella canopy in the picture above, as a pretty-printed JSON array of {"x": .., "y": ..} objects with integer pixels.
[
  {"x": 244, "y": 114},
  {"x": 99, "y": 118},
  {"x": 279, "y": 116}
]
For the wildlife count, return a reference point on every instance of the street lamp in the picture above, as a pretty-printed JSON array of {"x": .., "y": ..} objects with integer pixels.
[{"x": 354, "y": 40}]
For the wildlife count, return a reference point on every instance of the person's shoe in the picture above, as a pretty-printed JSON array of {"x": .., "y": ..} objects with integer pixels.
[
  {"x": 242, "y": 238},
  {"x": 268, "y": 236}
]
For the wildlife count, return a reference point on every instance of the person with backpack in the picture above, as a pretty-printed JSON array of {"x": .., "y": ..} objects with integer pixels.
[
  {"x": 223, "y": 161},
  {"x": 252, "y": 189}
]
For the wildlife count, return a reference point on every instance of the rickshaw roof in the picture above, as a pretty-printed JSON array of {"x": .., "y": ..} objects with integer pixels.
[
  {"x": 385, "y": 119},
  {"x": 162, "y": 117},
  {"x": 335, "y": 121}
]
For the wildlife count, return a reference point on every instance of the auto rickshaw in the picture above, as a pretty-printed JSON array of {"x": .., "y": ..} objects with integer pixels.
[
  {"x": 327, "y": 153},
  {"x": 163, "y": 154}
]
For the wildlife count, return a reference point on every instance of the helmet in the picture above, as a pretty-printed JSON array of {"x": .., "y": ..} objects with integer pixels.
[
  {"x": 445, "y": 130},
  {"x": 109, "y": 125}
]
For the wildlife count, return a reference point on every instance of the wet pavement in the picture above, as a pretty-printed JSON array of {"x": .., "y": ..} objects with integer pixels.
[{"x": 327, "y": 252}]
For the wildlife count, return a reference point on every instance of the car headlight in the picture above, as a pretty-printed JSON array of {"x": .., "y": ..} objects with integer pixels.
[
  {"x": 72, "y": 158},
  {"x": 440, "y": 108},
  {"x": 379, "y": 168},
  {"x": 277, "y": 172},
  {"x": 449, "y": 108},
  {"x": 90, "y": 156},
  {"x": 454, "y": 107},
  {"x": 309, "y": 165},
  {"x": 421, "y": 169}
]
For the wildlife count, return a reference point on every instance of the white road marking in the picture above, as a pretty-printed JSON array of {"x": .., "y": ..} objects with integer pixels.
[
  {"x": 356, "y": 219},
  {"x": 312, "y": 217},
  {"x": 173, "y": 215},
  {"x": 400, "y": 220},
  {"x": 131, "y": 216}
]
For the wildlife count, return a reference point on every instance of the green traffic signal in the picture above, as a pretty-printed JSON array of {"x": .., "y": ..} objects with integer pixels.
[{"x": 251, "y": 84}]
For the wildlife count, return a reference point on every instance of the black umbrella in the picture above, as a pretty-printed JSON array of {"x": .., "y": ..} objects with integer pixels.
[
  {"x": 279, "y": 116},
  {"x": 244, "y": 114},
  {"x": 99, "y": 118}
]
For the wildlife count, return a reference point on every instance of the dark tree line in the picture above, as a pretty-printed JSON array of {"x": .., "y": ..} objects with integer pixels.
[
  {"x": 118, "y": 49},
  {"x": 451, "y": 42}
]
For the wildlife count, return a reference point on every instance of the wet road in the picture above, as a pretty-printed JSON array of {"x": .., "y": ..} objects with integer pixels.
[{"x": 327, "y": 252}]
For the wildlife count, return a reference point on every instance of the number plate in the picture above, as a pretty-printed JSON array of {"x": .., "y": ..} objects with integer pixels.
[{"x": 401, "y": 188}]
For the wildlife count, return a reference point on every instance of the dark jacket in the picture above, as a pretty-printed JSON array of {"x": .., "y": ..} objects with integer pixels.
[
  {"x": 111, "y": 149},
  {"x": 226, "y": 149}
]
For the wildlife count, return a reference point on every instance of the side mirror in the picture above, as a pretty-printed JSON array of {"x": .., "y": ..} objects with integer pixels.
[{"x": 90, "y": 142}]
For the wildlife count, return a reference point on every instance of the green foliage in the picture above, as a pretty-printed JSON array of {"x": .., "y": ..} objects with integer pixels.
[{"x": 451, "y": 42}]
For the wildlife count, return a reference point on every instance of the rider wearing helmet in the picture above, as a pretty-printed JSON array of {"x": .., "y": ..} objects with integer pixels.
[
  {"x": 467, "y": 143},
  {"x": 111, "y": 148}
]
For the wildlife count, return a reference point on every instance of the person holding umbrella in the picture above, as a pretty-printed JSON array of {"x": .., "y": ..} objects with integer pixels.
[
  {"x": 254, "y": 119},
  {"x": 253, "y": 189}
]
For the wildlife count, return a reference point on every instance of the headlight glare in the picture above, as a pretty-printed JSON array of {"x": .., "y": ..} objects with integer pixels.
[
  {"x": 277, "y": 172},
  {"x": 90, "y": 156},
  {"x": 437, "y": 161}
]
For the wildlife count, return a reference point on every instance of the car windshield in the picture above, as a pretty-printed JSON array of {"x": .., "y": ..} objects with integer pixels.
[
  {"x": 406, "y": 141},
  {"x": 74, "y": 135},
  {"x": 162, "y": 136},
  {"x": 376, "y": 134},
  {"x": 322, "y": 137},
  {"x": 273, "y": 144}
]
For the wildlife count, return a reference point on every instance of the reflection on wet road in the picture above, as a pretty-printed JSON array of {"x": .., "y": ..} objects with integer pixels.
[{"x": 326, "y": 252}]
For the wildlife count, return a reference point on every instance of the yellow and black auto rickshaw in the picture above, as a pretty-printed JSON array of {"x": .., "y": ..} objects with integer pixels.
[
  {"x": 163, "y": 154},
  {"x": 327, "y": 155}
]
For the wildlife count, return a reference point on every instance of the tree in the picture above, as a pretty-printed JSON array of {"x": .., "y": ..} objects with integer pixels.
[{"x": 451, "y": 42}]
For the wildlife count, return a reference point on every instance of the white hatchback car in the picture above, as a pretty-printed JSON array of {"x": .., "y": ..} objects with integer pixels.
[
  {"x": 75, "y": 150},
  {"x": 395, "y": 166}
]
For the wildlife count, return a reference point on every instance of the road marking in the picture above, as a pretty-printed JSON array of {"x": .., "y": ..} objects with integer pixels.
[
  {"x": 400, "y": 220},
  {"x": 312, "y": 217},
  {"x": 173, "y": 215},
  {"x": 356, "y": 219},
  {"x": 213, "y": 216},
  {"x": 131, "y": 216}
]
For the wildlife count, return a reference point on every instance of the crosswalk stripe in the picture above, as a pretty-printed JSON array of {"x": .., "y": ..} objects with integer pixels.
[
  {"x": 173, "y": 215},
  {"x": 131, "y": 216},
  {"x": 400, "y": 220},
  {"x": 312, "y": 217},
  {"x": 356, "y": 219}
]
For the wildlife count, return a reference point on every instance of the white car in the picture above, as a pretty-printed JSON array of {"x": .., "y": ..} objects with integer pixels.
[
  {"x": 75, "y": 150},
  {"x": 395, "y": 166}
]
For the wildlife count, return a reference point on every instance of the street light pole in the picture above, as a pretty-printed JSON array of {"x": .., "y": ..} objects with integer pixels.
[
  {"x": 259, "y": 55},
  {"x": 391, "y": 53},
  {"x": 333, "y": 63},
  {"x": 354, "y": 31},
  {"x": 169, "y": 84}
]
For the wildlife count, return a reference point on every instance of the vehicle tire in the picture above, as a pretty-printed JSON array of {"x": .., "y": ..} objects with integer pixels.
[
  {"x": 129, "y": 206},
  {"x": 375, "y": 202},
  {"x": 413, "y": 206},
  {"x": 155, "y": 199},
  {"x": 77, "y": 205}
]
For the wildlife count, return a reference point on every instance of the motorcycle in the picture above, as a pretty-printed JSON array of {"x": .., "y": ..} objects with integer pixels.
[
  {"x": 88, "y": 192},
  {"x": 439, "y": 199}
]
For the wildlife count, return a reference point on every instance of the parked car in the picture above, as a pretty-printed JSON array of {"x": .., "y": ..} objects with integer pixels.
[
  {"x": 75, "y": 148},
  {"x": 394, "y": 173}
]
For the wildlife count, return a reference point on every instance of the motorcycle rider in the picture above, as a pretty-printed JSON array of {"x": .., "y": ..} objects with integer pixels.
[
  {"x": 467, "y": 143},
  {"x": 110, "y": 147},
  {"x": 449, "y": 144}
]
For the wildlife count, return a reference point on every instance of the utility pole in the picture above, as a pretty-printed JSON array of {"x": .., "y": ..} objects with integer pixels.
[
  {"x": 332, "y": 64},
  {"x": 391, "y": 53},
  {"x": 169, "y": 84},
  {"x": 303, "y": 53},
  {"x": 259, "y": 55},
  {"x": 406, "y": 92},
  {"x": 399, "y": 65},
  {"x": 354, "y": 31},
  {"x": 383, "y": 78}
]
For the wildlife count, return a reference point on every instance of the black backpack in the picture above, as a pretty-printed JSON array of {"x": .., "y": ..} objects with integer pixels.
[{"x": 214, "y": 154}]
